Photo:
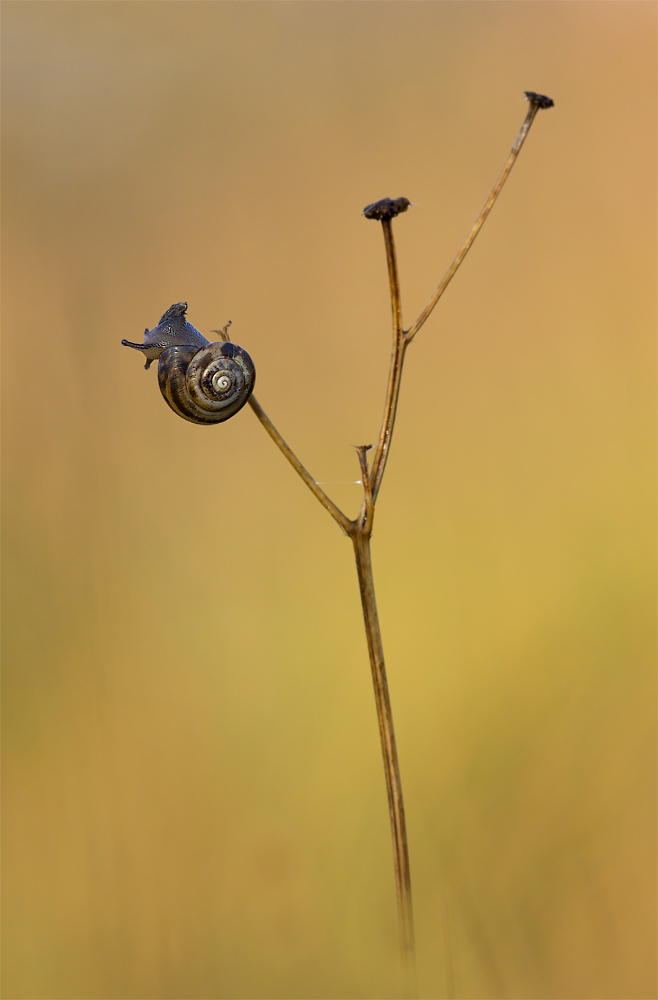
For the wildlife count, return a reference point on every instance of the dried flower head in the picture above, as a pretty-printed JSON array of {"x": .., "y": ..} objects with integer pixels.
[
  {"x": 539, "y": 99},
  {"x": 387, "y": 208}
]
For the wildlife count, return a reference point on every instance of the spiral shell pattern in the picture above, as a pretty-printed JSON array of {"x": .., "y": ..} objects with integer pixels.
[{"x": 206, "y": 386}]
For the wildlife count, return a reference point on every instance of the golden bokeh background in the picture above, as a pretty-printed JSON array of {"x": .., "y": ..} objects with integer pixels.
[{"x": 194, "y": 799}]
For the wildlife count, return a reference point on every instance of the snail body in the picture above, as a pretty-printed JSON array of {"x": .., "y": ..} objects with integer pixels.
[{"x": 202, "y": 382}]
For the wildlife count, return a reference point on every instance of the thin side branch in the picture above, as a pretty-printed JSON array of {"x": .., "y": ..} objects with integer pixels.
[
  {"x": 304, "y": 474},
  {"x": 537, "y": 101},
  {"x": 365, "y": 524},
  {"x": 316, "y": 490}
]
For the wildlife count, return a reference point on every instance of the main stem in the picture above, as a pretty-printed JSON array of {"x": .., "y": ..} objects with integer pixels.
[{"x": 361, "y": 542}]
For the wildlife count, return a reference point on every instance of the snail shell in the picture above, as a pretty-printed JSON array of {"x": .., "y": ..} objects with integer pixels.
[
  {"x": 206, "y": 386},
  {"x": 202, "y": 382}
]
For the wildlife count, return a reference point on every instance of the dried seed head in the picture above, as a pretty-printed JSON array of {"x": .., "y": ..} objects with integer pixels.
[
  {"x": 539, "y": 99},
  {"x": 387, "y": 208}
]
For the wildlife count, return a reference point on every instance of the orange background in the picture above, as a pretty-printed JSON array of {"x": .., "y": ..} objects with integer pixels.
[{"x": 194, "y": 802}]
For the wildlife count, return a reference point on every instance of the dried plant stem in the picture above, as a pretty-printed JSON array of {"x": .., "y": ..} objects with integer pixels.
[
  {"x": 481, "y": 219},
  {"x": 361, "y": 534},
  {"x": 397, "y": 360},
  {"x": 328, "y": 504},
  {"x": 360, "y": 529},
  {"x": 361, "y": 541}
]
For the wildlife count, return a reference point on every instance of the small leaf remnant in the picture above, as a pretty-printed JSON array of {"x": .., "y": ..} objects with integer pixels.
[
  {"x": 386, "y": 208},
  {"x": 539, "y": 99}
]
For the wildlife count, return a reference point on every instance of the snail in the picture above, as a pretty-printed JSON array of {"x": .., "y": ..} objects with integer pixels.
[{"x": 202, "y": 382}]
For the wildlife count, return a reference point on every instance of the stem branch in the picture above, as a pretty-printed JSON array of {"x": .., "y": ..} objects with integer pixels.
[
  {"x": 511, "y": 159},
  {"x": 365, "y": 523},
  {"x": 316, "y": 490}
]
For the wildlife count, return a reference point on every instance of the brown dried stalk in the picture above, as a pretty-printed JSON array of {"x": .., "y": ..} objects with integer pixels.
[{"x": 360, "y": 529}]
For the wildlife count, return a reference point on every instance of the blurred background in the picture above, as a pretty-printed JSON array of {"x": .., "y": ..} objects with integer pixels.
[{"x": 194, "y": 798}]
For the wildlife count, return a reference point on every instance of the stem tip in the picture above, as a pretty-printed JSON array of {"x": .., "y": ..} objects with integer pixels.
[
  {"x": 539, "y": 99},
  {"x": 386, "y": 208}
]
